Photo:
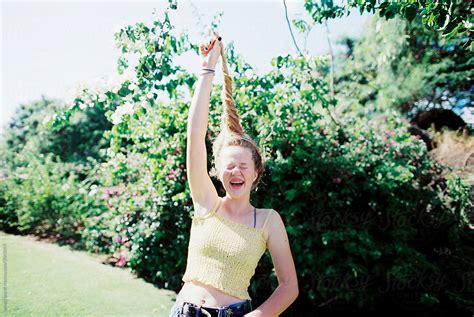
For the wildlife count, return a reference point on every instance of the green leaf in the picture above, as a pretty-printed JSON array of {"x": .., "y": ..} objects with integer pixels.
[
  {"x": 279, "y": 61},
  {"x": 410, "y": 12},
  {"x": 291, "y": 194}
]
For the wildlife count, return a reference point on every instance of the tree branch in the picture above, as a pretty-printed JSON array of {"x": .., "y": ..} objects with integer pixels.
[
  {"x": 289, "y": 26},
  {"x": 332, "y": 57}
]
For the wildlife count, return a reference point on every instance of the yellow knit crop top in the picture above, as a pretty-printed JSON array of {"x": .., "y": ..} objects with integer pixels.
[{"x": 223, "y": 253}]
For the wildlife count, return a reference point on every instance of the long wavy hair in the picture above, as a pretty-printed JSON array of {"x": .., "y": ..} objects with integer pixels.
[{"x": 231, "y": 131}]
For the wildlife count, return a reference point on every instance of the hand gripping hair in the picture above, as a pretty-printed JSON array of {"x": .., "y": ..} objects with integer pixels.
[{"x": 231, "y": 131}]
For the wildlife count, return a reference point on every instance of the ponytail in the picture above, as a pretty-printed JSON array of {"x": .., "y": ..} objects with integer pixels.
[
  {"x": 230, "y": 117},
  {"x": 232, "y": 133}
]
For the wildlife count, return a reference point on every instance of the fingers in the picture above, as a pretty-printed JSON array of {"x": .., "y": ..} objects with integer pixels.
[
  {"x": 206, "y": 48},
  {"x": 217, "y": 36}
]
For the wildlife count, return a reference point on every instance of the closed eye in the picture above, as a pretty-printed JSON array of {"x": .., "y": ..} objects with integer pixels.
[{"x": 243, "y": 166}]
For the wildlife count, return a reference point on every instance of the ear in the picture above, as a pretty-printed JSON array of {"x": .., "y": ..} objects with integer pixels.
[{"x": 256, "y": 176}]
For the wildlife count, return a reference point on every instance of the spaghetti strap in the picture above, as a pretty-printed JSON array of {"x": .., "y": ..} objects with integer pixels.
[{"x": 254, "y": 216}]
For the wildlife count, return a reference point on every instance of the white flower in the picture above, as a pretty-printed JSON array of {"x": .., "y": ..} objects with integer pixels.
[
  {"x": 93, "y": 190},
  {"x": 128, "y": 108},
  {"x": 116, "y": 118}
]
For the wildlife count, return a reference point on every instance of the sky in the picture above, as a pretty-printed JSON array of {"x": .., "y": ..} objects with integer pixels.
[{"x": 49, "y": 47}]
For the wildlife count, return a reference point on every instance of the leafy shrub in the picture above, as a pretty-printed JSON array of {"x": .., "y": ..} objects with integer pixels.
[
  {"x": 49, "y": 199},
  {"x": 369, "y": 216}
]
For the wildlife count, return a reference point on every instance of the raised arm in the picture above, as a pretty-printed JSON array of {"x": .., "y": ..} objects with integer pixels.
[{"x": 203, "y": 192}]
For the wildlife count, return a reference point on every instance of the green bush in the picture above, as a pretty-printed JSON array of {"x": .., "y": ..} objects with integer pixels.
[
  {"x": 366, "y": 209},
  {"x": 371, "y": 219},
  {"x": 8, "y": 206},
  {"x": 367, "y": 217},
  {"x": 46, "y": 198}
]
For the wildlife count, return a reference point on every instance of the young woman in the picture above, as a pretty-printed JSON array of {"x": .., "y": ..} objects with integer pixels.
[{"x": 228, "y": 234}]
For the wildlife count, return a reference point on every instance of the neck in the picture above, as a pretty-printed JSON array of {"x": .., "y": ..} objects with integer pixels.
[{"x": 237, "y": 205}]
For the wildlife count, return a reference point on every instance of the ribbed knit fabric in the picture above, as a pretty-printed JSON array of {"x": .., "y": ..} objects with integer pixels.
[{"x": 223, "y": 253}]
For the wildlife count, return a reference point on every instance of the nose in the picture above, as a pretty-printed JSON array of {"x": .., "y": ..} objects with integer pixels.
[{"x": 235, "y": 169}]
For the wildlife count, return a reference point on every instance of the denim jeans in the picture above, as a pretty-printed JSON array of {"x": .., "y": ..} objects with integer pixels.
[{"x": 176, "y": 310}]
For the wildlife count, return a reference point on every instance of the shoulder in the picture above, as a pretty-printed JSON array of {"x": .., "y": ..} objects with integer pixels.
[
  {"x": 266, "y": 212},
  {"x": 273, "y": 223}
]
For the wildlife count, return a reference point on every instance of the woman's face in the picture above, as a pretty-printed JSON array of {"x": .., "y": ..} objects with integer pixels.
[{"x": 237, "y": 170}]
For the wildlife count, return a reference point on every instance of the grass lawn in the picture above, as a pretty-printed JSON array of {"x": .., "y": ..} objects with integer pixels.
[{"x": 46, "y": 279}]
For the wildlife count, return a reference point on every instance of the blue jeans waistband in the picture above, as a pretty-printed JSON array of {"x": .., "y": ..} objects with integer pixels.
[{"x": 187, "y": 309}]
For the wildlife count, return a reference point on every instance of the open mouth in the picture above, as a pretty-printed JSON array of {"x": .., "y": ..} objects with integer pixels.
[{"x": 236, "y": 184}]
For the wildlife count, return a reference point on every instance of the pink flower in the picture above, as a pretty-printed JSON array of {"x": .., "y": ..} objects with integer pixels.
[
  {"x": 118, "y": 239},
  {"x": 121, "y": 262}
]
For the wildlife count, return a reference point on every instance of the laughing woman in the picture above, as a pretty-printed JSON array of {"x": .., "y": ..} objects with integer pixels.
[{"x": 228, "y": 235}]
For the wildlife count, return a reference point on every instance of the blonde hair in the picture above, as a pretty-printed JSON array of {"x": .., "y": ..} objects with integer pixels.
[{"x": 232, "y": 133}]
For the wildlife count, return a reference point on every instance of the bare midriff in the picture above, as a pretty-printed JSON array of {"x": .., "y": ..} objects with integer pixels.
[{"x": 204, "y": 295}]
